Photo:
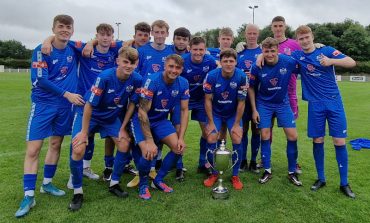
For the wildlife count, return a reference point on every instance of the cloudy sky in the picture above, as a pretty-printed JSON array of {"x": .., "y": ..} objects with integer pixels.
[{"x": 30, "y": 21}]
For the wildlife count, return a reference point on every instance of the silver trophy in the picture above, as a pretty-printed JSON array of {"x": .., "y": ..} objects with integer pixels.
[{"x": 222, "y": 158}]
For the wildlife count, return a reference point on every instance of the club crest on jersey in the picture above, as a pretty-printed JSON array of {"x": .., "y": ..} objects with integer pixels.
[
  {"x": 129, "y": 88},
  {"x": 174, "y": 93},
  {"x": 116, "y": 100},
  {"x": 225, "y": 95},
  {"x": 274, "y": 81},
  {"x": 283, "y": 70},
  {"x": 69, "y": 59},
  {"x": 247, "y": 63},
  {"x": 310, "y": 67},
  {"x": 287, "y": 51},
  {"x": 100, "y": 64},
  {"x": 197, "y": 78},
  {"x": 319, "y": 57},
  {"x": 233, "y": 85},
  {"x": 164, "y": 103},
  {"x": 64, "y": 70},
  {"x": 156, "y": 67},
  {"x": 206, "y": 69}
]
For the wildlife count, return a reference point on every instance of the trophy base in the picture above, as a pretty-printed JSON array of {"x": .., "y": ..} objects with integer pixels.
[{"x": 220, "y": 193}]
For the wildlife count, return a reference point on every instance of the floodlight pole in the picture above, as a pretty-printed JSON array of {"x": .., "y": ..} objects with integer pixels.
[
  {"x": 118, "y": 23},
  {"x": 253, "y": 7}
]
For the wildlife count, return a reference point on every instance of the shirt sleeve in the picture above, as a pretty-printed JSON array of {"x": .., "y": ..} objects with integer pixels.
[
  {"x": 40, "y": 73},
  {"x": 185, "y": 95},
  {"x": 96, "y": 92},
  {"x": 148, "y": 89},
  {"x": 243, "y": 86},
  {"x": 137, "y": 87},
  {"x": 333, "y": 53},
  {"x": 208, "y": 84},
  {"x": 253, "y": 76}
]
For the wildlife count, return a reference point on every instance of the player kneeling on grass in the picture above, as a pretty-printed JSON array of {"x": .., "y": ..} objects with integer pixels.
[
  {"x": 225, "y": 91},
  {"x": 161, "y": 92},
  {"x": 271, "y": 84},
  {"x": 114, "y": 90},
  {"x": 320, "y": 89}
]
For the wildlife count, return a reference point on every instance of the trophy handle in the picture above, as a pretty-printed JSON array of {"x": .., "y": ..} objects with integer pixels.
[
  {"x": 210, "y": 151},
  {"x": 237, "y": 158}
]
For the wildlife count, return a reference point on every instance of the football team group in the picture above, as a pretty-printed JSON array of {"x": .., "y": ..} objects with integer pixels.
[{"x": 137, "y": 94}]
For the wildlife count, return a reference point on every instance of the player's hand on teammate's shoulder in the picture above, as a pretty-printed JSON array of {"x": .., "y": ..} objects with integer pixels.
[
  {"x": 88, "y": 50},
  {"x": 46, "y": 48},
  {"x": 318, "y": 45},
  {"x": 75, "y": 99},
  {"x": 260, "y": 61},
  {"x": 240, "y": 47}
]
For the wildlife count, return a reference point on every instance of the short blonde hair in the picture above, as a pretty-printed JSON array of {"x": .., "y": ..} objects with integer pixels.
[
  {"x": 129, "y": 53},
  {"x": 160, "y": 24}
]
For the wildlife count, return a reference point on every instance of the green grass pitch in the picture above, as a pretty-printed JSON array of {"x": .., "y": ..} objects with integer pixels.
[{"x": 277, "y": 201}]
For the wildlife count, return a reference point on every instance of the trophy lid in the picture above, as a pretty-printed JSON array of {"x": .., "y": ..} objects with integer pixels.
[{"x": 222, "y": 149}]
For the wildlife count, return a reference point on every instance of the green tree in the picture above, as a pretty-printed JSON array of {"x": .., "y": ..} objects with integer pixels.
[
  {"x": 211, "y": 36},
  {"x": 355, "y": 42},
  {"x": 325, "y": 36},
  {"x": 14, "y": 49}
]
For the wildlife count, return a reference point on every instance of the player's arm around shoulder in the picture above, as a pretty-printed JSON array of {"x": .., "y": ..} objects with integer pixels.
[{"x": 331, "y": 56}]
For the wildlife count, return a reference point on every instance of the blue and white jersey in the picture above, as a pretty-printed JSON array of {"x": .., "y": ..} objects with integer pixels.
[
  {"x": 152, "y": 60},
  {"x": 90, "y": 68},
  {"x": 226, "y": 91},
  {"x": 215, "y": 52},
  {"x": 53, "y": 75},
  {"x": 318, "y": 82},
  {"x": 109, "y": 95},
  {"x": 273, "y": 80},
  {"x": 195, "y": 74},
  {"x": 247, "y": 58},
  {"x": 164, "y": 96}
]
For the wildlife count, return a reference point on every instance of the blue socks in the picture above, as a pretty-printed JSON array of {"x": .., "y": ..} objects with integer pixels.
[
  {"x": 244, "y": 147},
  {"x": 292, "y": 154},
  {"x": 342, "y": 159},
  {"x": 76, "y": 171},
  {"x": 255, "y": 145},
  {"x": 49, "y": 170},
  {"x": 318, "y": 154},
  {"x": 29, "y": 182},
  {"x": 119, "y": 163},
  {"x": 203, "y": 151},
  {"x": 144, "y": 168},
  {"x": 168, "y": 162},
  {"x": 89, "y": 149},
  {"x": 179, "y": 164},
  {"x": 239, "y": 150},
  {"x": 109, "y": 161},
  {"x": 266, "y": 153}
]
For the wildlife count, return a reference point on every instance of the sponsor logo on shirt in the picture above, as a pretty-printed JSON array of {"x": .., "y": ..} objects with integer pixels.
[
  {"x": 207, "y": 86},
  {"x": 197, "y": 78},
  {"x": 287, "y": 51},
  {"x": 101, "y": 64},
  {"x": 41, "y": 64},
  {"x": 336, "y": 53},
  {"x": 96, "y": 91}
]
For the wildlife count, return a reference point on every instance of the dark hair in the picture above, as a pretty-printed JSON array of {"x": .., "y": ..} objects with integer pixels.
[
  {"x": 178, "y": 59},
  {"x": 64, "y": 19},
  {"x": 143, "y": 27},
  {"x": 104, "y": 27},
  {"x": 278, "y": 19},
  {"x": 270, "y": 42},
  {"x": 182, "y": 31},
  {"x": 197, "y": 40},
  {"x": 229, "y": 52}
]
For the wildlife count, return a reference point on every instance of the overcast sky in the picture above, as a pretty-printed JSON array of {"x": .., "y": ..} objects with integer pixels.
[{"x": 30, "y": 21}]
